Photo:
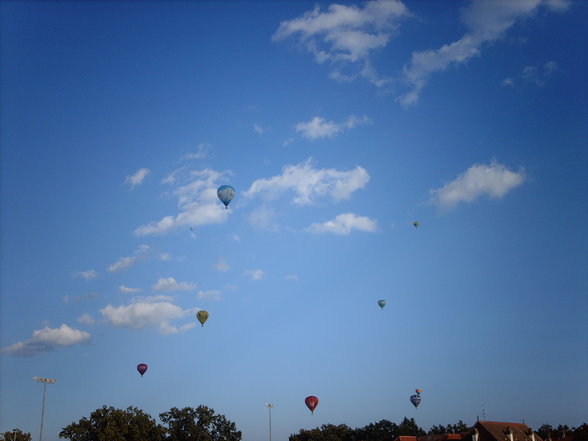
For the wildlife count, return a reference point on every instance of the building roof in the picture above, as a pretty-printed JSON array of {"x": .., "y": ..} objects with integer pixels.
[{"x": 498, "y": 431}]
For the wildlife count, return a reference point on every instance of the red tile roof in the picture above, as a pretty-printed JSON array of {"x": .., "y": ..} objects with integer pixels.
[{"x": 498, "y": 431}]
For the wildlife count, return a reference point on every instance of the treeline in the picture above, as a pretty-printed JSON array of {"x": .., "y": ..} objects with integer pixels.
[
  {"x": 203, "y": 424},
  {"x": 386, "y": 431}
]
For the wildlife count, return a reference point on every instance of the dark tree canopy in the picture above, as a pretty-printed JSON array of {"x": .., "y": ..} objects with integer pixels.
[
  {"x": 110, "y": 424},
  {"x": 327, "y": 432},
  {"x": 15, "y": 435},
  {"x": 200, "y": 424},
  {"x": 459, "y": 427}
]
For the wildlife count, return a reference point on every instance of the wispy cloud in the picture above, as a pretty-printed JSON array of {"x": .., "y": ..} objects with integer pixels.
[
  {"x": 319, "y": 127},
  {"x": 144, "y": 314},
  {"x": 137, "y": 177},
  {"x": 254, "y": 274},
  {"x": 493, "y": 180},
  {"x": 86, "y": 319},
  {"x": 291, "y": 277},
  {"x": 343, "y": 224},
  {"x": 197, "y": 203},
  {"x": 170, "y": 284},
  {"x": 263, "y": 218},
  {"x": 126, "y": 290},
  {"x": 221, "y": 265},
  {"x": 124, "y": 263},
  {"x": 346, "y": 35},
  {"x": 211, "y": 294},
  {"x": 88, "y": 275},
  {"x": 486, "y": 21},
  {"x": 310, "y": 184},
  {"x": 537, "y": 76},
  {"x": 47, "y": 339},
  {"x": 201, "y": 152}
]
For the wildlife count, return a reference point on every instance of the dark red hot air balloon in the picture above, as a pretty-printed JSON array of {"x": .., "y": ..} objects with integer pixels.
[
  {"x": 311, "y": 402},
  {"x": 142, "y": 368}
]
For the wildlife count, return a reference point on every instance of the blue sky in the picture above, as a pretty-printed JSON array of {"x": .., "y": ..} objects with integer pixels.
[{"x": 339, "y": 125}]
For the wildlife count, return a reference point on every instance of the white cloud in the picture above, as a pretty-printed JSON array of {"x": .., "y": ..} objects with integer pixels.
[
  {"x": 86, "y": 319},
  {"x": 88, "y": 275},
  {"x": 170, "y": 284},
  {"x": 127, "y": 290},
  {"x": 166, "y": 257},
  {"x": 291, "y": 277},
  {"x": 309, "y": 184},
  {"x": 46, "y": 339},
  {"x": 143, "y": 314},
  {"x": 212, "y": 294},
  {"x": 197, "y": 203},
  {"x": 486, "y": 21},
  {"x": 346, "y": 35},
  {"x": 137, "y": 178},
  {"x": 344, "y": 224},
  {"x": 321, "y": 128},
  {"x": 259, "y": 129},
  {"x": 124, "y": 263},
  {"x": 254, "y": 274},
  {"x": 494, "y": 180},
  {"x": 221, "y": 265}
]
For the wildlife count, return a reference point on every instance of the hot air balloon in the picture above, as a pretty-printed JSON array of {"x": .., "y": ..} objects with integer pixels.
[
  {"x": 416, "y": 224},
  {"x": 415, "y": 400},
  {"x": 142, "y": 368},
  {"x": 311, "y": 403},
  {"x": 226, "y": 193},
  {"x": 382, "y": 303},
  {"x": 418, "y": 391},
  {"x": 202, "y": 316}
]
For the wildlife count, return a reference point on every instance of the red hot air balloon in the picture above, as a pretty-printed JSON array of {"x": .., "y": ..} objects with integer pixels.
[
  {"x": 311, "y": 403},
  {"x": 142, "y": 368}
]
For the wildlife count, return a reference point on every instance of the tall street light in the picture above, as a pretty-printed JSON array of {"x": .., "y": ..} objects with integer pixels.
[
  {"x": 45, "y": 381},
  {"x": 269, "y": 408}
]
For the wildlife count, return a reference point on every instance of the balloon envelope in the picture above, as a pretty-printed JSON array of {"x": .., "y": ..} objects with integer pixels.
[
  {"x": 311, "y": 402},
  {"x": 416, "y": 224},
  {"x": 415, "y": 400},
  {"x": 142, "y": 368},
  {"x": 226, "y": 193},
  {"x": 418, "y": 391},
  {"x": 202, "y": 316},
  {"x": 382, "y": 303}
]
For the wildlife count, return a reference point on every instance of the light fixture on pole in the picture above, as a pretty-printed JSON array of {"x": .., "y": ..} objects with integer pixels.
[
  {"x": 45, "y": 381},
  {"x": 269, "y": 407}
]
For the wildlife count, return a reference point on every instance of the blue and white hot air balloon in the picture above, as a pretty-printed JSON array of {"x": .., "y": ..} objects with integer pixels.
[{"x": 226, "y": 193}]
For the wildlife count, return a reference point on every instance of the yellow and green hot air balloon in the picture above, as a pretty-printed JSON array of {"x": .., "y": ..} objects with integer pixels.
[{"x": 202, "y": 316}]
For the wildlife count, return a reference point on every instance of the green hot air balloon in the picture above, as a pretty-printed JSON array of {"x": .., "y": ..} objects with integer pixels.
[
  {"x": 202, "y": 316},
  {"x": 416, "y": 224},
  {"x": 382, "y": 303}
]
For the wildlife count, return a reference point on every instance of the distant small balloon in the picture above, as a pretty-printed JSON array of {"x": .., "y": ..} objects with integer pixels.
[
  {"x": 202, "y": 316},
  {"x": 418, "y": 391},
  {"x": 382, "y": 303},
  {"x": 416, "y": 224},
  {"x": 311, "y": 403},
  {"x": 142, "y": 368},
  {"x": 226, "y": 193},
  {"x": 415, "y": 400}
]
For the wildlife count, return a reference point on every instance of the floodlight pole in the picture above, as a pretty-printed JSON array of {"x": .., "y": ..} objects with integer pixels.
[
  {"x": 269, "y": 408},
  {"x": 44, "y": 381}
]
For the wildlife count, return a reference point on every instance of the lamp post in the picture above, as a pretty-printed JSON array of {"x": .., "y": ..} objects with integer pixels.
[
  {"x": 44, "y": 381},
  {"x": 269, "y": 408}
]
